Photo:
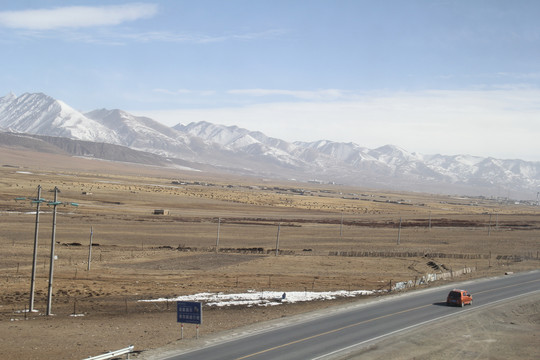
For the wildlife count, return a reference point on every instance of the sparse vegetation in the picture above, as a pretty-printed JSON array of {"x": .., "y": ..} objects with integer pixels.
[{"x": 331, "y": 238}]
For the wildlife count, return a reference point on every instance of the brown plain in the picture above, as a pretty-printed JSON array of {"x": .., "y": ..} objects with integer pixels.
[{"x": 331, "y": 237}]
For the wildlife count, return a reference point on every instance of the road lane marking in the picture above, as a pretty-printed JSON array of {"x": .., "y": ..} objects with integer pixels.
[
  {"x": 507, "y": 286},
  {"x": 373, "y": 319},
  {"x": 330, "y": 332},
  {"x": 419, "y": 324}
]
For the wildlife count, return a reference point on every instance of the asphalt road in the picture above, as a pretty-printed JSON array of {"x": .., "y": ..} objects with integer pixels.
[{"x": 325, "y": 337}]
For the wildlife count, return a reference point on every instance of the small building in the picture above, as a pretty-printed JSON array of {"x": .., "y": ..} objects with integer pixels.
[{"x": 161, "y": 212}]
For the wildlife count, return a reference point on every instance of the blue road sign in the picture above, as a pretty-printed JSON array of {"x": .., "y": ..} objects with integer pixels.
[{"x": 188, "y": 312}]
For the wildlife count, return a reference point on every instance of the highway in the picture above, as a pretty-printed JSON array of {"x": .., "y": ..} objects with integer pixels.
[{"x": 324, "y": 337}]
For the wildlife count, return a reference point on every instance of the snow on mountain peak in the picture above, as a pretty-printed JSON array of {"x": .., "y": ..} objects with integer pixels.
[
  {"x": 41, "y": 114},
  {"x": 253, "y": 152},
  {"x": 142, "y": 133}
]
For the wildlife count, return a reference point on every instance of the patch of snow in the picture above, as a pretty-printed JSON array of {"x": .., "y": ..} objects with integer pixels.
[
  {"x": 264, "y": 298},
  {"x": 24, "y": 213},
  {"x": 26, "y": 311},
  {"x": 180, "y": 167}
]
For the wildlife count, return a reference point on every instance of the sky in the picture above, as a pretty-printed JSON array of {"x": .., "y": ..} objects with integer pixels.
[{"x": 431, "y": 76}]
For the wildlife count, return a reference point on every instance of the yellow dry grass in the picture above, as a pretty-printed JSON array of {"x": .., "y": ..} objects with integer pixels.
[{"x": 139, "y": 255}]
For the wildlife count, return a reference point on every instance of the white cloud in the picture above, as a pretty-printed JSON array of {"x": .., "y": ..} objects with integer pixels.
[
  {"x": 195, "y": 38},
  {"x": 38, "y": 23},
  {"x": 76, "y": 16},
  {"x": 180, "y": 92},
  {"x": 326, "y": 94},
  {"x": 501, "y": 123}
]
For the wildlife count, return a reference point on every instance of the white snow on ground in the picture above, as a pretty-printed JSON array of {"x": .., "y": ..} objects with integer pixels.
[
  {"x": 264, "y": 298},
  {"x": 271, "y": 298},
  {"x": 25, "y": 213}
]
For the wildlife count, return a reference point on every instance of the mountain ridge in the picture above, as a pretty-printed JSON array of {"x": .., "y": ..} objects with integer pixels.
[{"x": 242, "y": 151}]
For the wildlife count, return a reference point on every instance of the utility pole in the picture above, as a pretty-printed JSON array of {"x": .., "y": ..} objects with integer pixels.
[
  {"x": 90, "y": 247},
  {"x": 217, "y": 239},
  {"x": 399, "y": 233},
  {"x": 53, "y": 241},
  {"x": 38, "y": 201},
  {"x": 341, "y": 227},
  {"x": 489, "y": 226},
  {"x": 277, "y": 239}
]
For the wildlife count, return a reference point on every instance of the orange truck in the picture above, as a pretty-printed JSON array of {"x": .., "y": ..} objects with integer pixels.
[{"x": 459, "y": 297}]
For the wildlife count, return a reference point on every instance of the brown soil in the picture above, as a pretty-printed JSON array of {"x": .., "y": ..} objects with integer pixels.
[{"x": 330, "y": 238}]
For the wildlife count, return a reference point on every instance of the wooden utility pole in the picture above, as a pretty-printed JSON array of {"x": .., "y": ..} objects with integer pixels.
[
  {"x": 341, "y": 227},
  {"x": 277, "y": 239},
  {"x": 399, "y": 233},
  {"x": 217, "y": 239},
  {"x": 90, "y": 247}
]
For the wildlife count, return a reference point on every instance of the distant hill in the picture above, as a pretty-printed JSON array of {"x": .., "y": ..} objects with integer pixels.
[
  {"x": 120, "y": 136},
  {"x": 61, "y": 145}
]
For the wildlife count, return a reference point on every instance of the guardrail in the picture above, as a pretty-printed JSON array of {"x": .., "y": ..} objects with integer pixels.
[{"x": 112, "y": 354}]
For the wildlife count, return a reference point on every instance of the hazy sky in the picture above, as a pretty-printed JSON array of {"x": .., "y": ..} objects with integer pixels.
[{"x": 431, "y": 76}]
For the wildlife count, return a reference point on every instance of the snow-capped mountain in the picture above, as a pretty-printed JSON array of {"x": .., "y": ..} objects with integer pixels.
[
  {"x": 142, "y": 133},
  {"x": 233, "y": 149},
  {"x": 241, "y": 141},
  {"x": 233, "y": 137},
  {"x": 41, "y": 114},
  {"x": 384, "y": 166}
]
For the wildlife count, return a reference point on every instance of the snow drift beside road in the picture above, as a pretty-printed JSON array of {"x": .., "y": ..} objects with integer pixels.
[{"x": 264, "y": 298}]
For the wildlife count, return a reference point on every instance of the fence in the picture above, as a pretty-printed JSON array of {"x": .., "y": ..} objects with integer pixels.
[
  {"x": 407, "y": 254},
  {"x": 432, "y": 277}
]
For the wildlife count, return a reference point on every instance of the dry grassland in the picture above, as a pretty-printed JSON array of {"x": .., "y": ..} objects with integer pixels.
[{"x": 138, "y": 255}]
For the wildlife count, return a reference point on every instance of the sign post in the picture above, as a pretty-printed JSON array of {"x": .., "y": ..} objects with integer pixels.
[{"x": 190, "y": 313}]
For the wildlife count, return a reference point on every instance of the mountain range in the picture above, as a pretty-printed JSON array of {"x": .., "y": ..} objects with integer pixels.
[{"x": 119, "y": 135}]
